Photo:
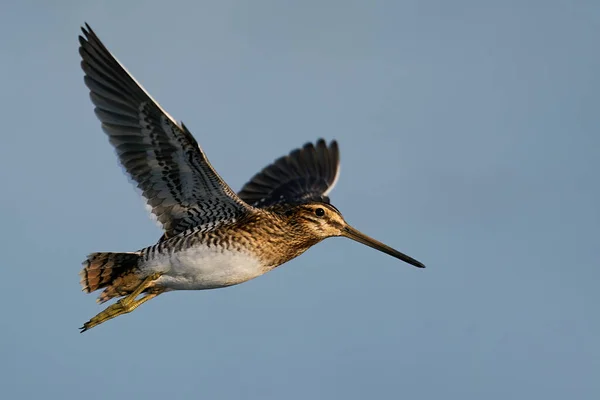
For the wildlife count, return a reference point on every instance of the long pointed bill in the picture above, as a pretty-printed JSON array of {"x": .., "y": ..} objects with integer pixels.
[{"x": 360, "y": 237}]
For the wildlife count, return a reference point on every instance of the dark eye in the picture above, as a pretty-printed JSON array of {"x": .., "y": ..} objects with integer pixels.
[{"x": 319, "y": 212}]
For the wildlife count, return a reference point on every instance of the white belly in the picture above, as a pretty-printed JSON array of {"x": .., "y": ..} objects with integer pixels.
[{"x": 204, "y": 268}]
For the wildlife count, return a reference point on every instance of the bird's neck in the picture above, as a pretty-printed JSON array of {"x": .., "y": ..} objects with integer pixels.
[{"x": 273, "y": 238}]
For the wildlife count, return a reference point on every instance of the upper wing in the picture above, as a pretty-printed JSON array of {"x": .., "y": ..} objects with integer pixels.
[
  {"x": 306, "y": 174},
  {"x": 162, "y": 157}
]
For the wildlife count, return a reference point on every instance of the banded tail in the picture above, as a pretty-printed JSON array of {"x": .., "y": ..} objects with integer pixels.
[{"x": 116, "y": 273}]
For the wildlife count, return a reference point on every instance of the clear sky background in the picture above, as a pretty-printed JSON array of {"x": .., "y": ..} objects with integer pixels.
[{"x": 469, "y": 140}]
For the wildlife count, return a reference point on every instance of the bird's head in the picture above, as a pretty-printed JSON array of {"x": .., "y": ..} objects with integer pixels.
[{"x": 319, "y": 221}]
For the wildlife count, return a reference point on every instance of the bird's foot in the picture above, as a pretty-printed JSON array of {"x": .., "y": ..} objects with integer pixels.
[{"x": 125, "y": 305}]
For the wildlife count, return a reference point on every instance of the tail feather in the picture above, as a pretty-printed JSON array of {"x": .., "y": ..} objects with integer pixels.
[{"x": 114, "y": 272}]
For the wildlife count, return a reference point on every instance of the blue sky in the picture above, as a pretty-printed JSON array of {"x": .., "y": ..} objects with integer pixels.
[{"x": 469, "y": 140}]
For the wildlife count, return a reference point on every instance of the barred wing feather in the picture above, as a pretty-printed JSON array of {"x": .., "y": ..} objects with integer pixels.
[{"x": 161, "y": 156}]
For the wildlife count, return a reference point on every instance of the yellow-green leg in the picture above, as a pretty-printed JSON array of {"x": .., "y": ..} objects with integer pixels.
[{"x": 125, "y": 305}]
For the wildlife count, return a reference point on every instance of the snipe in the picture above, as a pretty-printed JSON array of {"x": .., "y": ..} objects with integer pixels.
[{"x": 213, "y": 237}]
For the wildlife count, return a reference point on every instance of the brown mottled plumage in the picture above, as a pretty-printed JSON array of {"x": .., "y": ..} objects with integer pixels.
[{"x": 213, "y": 237}]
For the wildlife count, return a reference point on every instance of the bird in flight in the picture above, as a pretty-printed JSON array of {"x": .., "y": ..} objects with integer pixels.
[{"x": 212, "y": 237}]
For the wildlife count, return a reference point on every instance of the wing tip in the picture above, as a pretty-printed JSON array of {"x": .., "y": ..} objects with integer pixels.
[
  {"x": 86, "y": 29},
  {"x": 85, "y": 32}
]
